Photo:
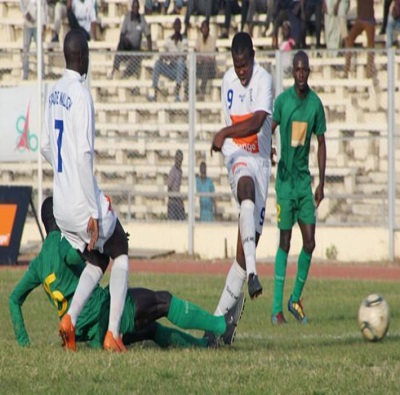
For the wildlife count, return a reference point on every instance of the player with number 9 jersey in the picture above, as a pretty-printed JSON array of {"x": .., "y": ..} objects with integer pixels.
[{"x": 245, "y": 142}]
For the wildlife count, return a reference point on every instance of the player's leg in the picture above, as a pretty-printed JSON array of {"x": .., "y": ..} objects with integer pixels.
[
  {"x": 280, "y": 277},
  {"x": 165, "y": 336},
  {"x": 234, "y": 282},
  {"x": 285, "y": 220},
  {"x": 246, "y": 198},
  {"x": 117, "y": 248},
  {"x": 95, "y": 267},
  {"x": 152, "y": 305},
  {"x": 306, "y": 220}
]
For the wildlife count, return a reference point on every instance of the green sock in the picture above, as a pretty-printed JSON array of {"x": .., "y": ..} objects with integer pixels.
[
  {"x": 279, "y": 280},
  {"x": 187, "y": 315},
  {"x": 166, "y": 337},
  {"x": 303, "y": 265}
]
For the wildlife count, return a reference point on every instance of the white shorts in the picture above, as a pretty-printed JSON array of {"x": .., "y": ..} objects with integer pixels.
[
  {"x": 259, "y": 169},
  {"x": 107, "y": 222}
]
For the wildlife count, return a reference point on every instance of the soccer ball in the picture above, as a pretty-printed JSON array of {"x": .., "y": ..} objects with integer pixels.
[{"x": 374, "y": 317}]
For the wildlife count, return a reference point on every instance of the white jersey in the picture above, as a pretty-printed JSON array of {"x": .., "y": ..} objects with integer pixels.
[
  {"x": 240, "y": 103},
  {"x": 67, "y": 143}
]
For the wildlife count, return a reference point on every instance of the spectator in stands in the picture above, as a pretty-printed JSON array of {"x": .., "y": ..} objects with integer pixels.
[
  {"x": 256, "y": 7},
  {"x": 134, "y": 26},
  {"x": 286, "y": 46},
  {"x": 205, "y": 64},
  {"x": 205, "y": 184},
  {"x": 279, "y": 15},
  {"x": 29, "y": 11},
  {"x": 81, "y": 14},
  {"x": 291, "y": 10},
  {"x": 386, "y": 8},
  {"x": 172, "y": 64},
  {"x": 176, "y": 210},
  {"x": 311, "y": 7},
  {"x": 365, "y": 21},
  {"x": 200, "y": 7},
  {"x": 232, "y": 7},
  {"x": 393, "y": 23},
  {"x": 151, "y": 6},
  {"x": 60, "y": 13},
  {"x": 335, "y": 22}
]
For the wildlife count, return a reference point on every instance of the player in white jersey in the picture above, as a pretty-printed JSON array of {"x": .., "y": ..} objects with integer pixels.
[
  {"x": 82, "y": 211},
  {"x": 247, "y": 95}
]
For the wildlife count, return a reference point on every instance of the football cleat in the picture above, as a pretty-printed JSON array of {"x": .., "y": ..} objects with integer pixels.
[
  {"x": 296, "y": 309},
  {"x": 112, "y": 344},
  {"x": 254, "y": 286},
  {"x": 67, "y": 333},
  {"x": 232, "y": 318},
  {"x": 278, "y": 319}
]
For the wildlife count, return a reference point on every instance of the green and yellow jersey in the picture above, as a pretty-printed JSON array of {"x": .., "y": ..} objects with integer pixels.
[
  {"x": 298, "y": 118},
  {"x": 58, "y": 268}
]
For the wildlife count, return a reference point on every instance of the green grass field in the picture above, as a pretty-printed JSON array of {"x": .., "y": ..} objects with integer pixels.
[{"x": 327, "y": 356}]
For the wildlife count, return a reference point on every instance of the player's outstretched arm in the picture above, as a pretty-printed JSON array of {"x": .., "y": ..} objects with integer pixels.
[{"x": 24, "y": 287}]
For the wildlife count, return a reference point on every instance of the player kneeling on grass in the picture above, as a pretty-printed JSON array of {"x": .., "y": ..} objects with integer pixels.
[{"x": 58, "y": 267}]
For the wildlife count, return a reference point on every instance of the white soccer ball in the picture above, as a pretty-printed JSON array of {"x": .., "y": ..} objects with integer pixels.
[{"x": 374, "y": 317}]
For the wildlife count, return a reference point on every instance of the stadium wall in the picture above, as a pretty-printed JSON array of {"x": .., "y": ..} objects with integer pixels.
[{"x": 343, "y": 244}]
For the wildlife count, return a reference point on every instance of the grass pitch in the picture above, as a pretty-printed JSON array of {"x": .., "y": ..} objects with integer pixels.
[{"x": 326, "y": 356}]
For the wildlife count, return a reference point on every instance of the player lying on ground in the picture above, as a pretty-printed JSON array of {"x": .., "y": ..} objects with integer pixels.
[{"x": 58, "y": 267}]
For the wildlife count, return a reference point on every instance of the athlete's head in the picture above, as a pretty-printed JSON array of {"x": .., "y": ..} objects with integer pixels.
[
  {"x": 76, "y": 51},
  {"x": 301, "y": 72},
  {"x": 47, "y": 215},
  {"x": 243, "y": 57}
]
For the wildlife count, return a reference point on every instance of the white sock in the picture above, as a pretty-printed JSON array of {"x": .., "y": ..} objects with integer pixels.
[
  {"x": 233, "y": 287},
  {"x": 118, "y": 288},
  {"x": 88, "y": 280},
  {"x": 248, "y": 234}
]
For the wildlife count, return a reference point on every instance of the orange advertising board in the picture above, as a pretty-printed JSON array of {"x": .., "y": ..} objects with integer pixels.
[{"x": 7, "y": 218}]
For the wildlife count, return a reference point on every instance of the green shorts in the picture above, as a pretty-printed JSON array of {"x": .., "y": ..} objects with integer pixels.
[{"x": 289, "y": 211}]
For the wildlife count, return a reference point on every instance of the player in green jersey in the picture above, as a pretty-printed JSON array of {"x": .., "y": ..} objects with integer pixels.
[
  {"x": 299, "y": 113},
  {"x": 58, "y": 267}
]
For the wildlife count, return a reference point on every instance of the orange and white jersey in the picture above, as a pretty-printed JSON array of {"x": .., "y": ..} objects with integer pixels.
[{"x": 240, "y": 103}]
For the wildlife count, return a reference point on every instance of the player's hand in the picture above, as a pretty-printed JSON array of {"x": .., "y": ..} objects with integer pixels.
[
  {"x": 93, "y": 231},
  {"x": 217, "y": 142},
  {"x": 319, "y": 195}
]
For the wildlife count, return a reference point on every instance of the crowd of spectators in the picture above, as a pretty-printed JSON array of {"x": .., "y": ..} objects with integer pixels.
[
  {"x": 306, "y": 17},
  {"x": 327, "y": 19}
]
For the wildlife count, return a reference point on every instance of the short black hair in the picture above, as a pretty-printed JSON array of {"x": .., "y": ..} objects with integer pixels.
[
  {"x": 242, "y": 43},
  {"x": 47, "y": 215},
  {"x": 75, "y": 42},
  {"x": 300, "y": 55}
]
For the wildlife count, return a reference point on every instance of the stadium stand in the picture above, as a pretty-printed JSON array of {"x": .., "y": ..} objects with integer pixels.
[{"x": 136, "y": 140}]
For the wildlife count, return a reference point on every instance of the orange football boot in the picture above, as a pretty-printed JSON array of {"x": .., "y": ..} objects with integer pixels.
[
  {"x": 112, "y": 344},
  {"x": 67, "y": 333}
]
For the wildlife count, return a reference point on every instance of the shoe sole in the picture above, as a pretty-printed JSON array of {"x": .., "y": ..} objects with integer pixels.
[
  {"x": 256, "y": 292},
  {"x": 242, "y": 305}
]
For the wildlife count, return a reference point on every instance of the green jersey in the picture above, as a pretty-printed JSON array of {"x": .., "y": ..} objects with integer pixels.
[
  {"x": 298, "y": 118},
  {"x": 58, "y": 268}
]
